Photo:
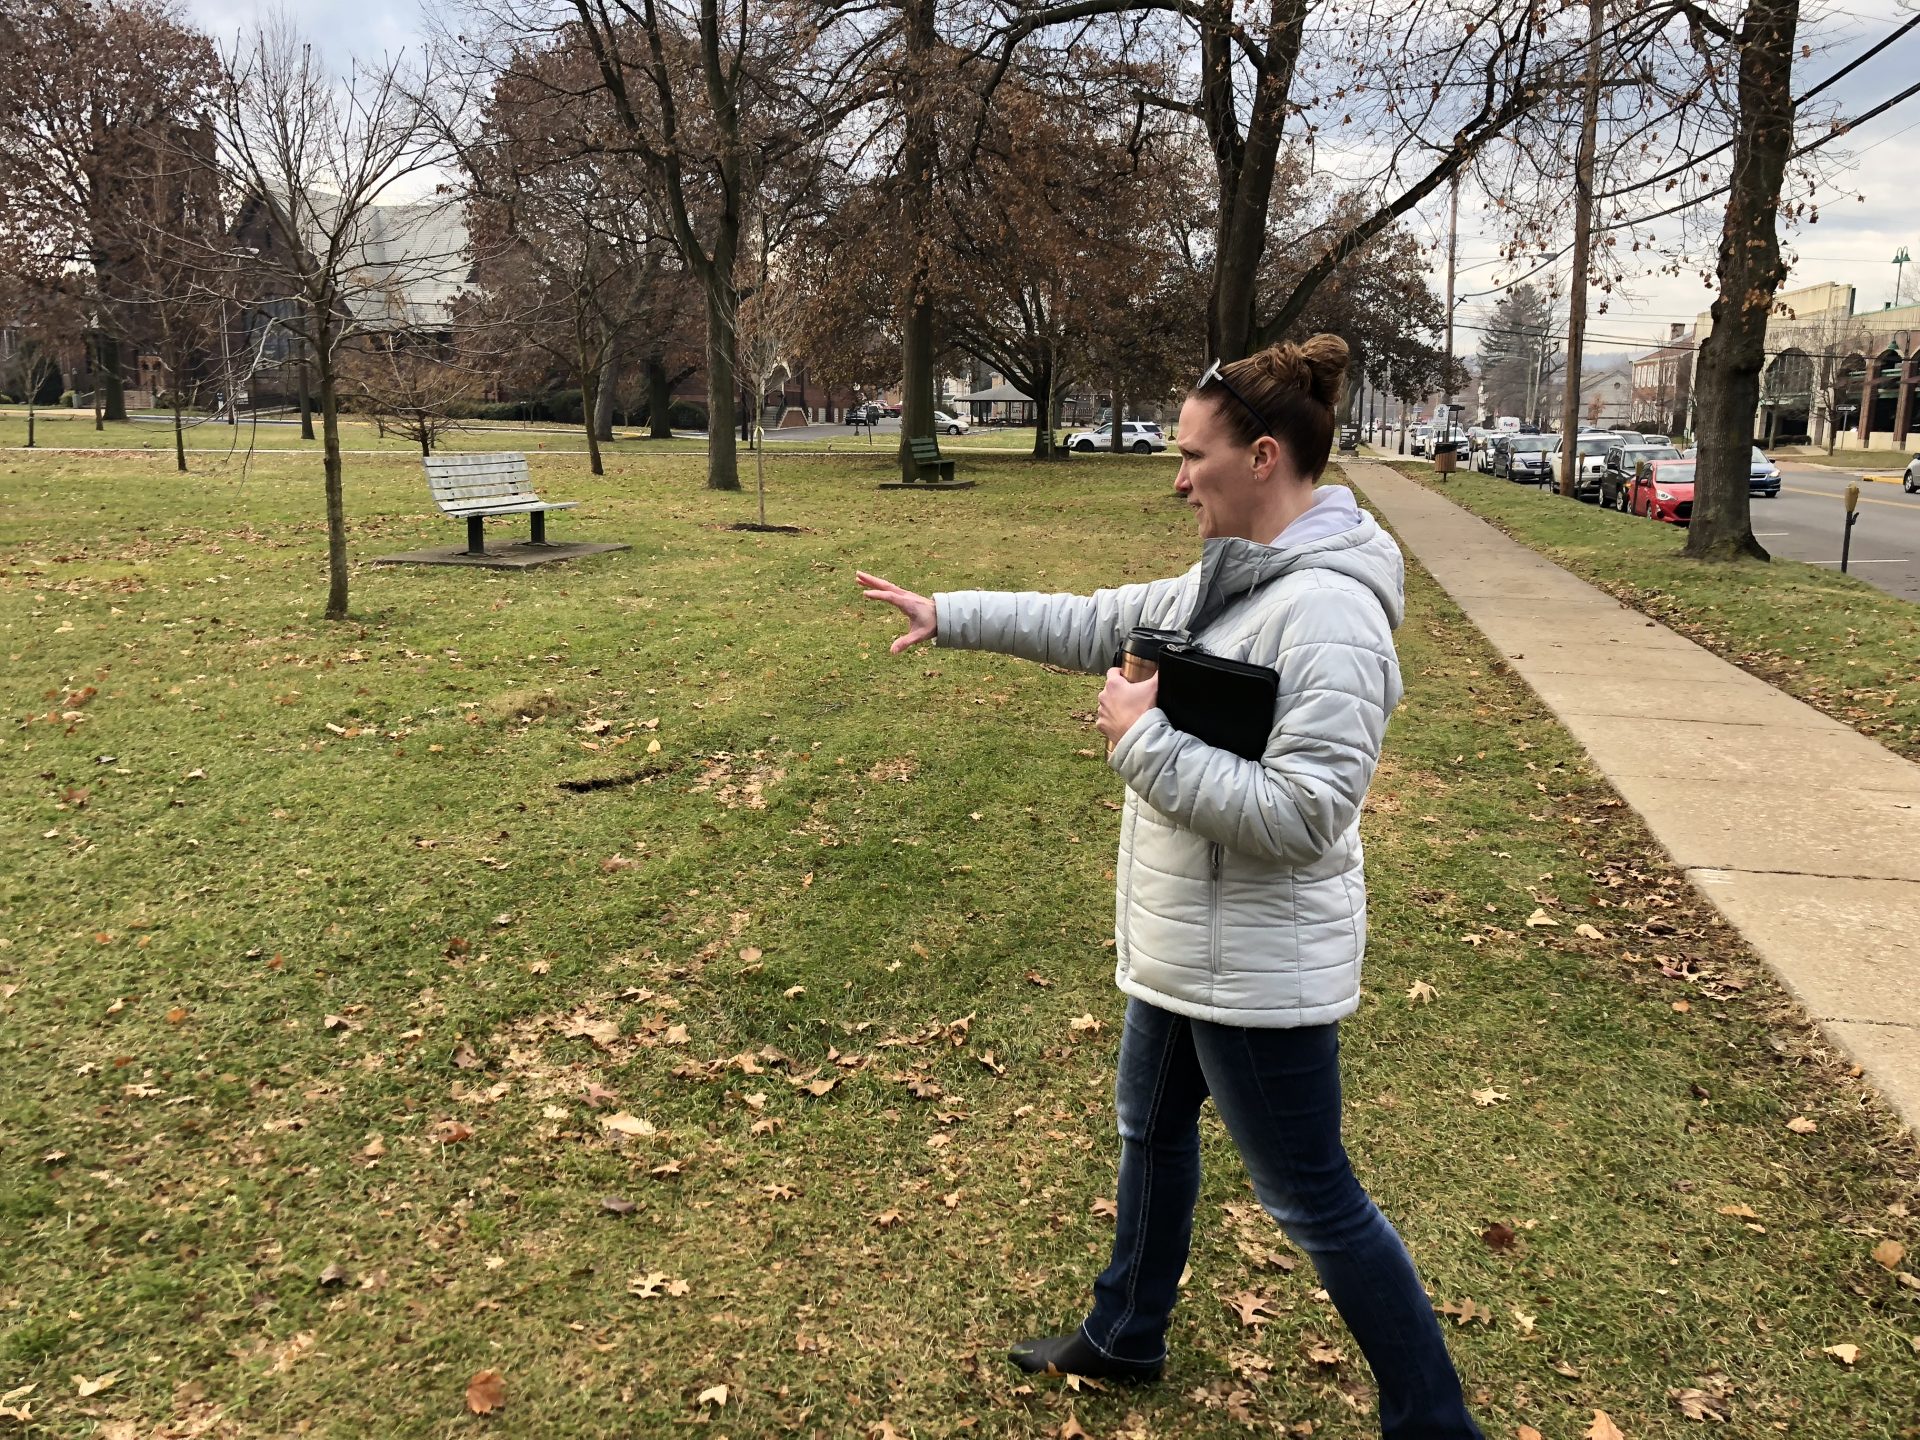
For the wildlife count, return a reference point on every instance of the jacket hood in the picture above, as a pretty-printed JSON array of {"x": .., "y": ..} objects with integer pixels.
[{"x": 1334, "y": 534}]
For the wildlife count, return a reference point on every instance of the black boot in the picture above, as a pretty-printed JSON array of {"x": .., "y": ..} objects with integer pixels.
[{"x": 1074, "y": 1355}]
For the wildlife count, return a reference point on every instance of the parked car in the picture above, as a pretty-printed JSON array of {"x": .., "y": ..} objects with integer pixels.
[
  {"x": 1910, "y": 482},
  {"x": 1590, "y": 448},
  {"x": 1763, "y": 476},
  {"x": 863, "y": 414},
  {"x": 1652, "y": 439},
  {"x": 1142, "y": 437},
  {"x": 1417, "y": 440},
  {"x": 1630, "y": 437},
  {"x": 1489, "y": 454},
  {"x": 1663, "y": 491},
  {"x": 1461, "y": 445},
  {"x": 951, "y": 424},
  {"x": 1527, "y": 457},
  {"x": 1622, "y": 464}
]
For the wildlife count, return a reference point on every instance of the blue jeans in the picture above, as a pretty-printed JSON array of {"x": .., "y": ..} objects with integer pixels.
[{"x": 1278, "y": 1090}]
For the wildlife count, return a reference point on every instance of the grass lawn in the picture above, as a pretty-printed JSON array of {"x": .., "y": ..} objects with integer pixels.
[
  {"x": 206, "y": 437},
  {"x": 1831, "y": 640},
  {"x": 629, "y": 978},
  {"x": 1894, "y": 460}
]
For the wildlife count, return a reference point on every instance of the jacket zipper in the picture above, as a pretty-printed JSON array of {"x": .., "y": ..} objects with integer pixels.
[{"x": 1213, "y": 907}]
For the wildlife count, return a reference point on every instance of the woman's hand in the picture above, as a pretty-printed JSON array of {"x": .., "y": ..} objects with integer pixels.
[
  {"x": 1122, "y": 703},
  {"x": 921, "y": 617}
]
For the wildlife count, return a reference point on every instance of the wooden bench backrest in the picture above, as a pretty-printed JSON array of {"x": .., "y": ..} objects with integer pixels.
[
  {"x": 926, "y": 449},
  {"x": 462, "y": 481}
]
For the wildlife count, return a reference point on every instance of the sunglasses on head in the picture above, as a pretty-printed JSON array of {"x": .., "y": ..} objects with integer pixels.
[{"x": 1213, "y": 373}]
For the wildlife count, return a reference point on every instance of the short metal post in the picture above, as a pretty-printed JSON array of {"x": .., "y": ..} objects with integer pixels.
[
  {"x": 539, "y": 518},
  {"x": 1846, "y": 534},
  {"x": 476, "y": 535}
]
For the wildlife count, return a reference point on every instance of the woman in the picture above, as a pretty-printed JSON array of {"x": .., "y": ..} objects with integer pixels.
[{"x": 1241, "y": 906}]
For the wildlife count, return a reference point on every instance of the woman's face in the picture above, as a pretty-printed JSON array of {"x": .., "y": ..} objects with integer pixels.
[{"x": 1224, "y": 480}]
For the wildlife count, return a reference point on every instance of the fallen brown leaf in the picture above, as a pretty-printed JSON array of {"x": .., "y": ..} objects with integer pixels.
[
  {"x": 486, "y": 1392},
  {"x": 1889, "y": 1253},
  {"x": 1603, "y": 1428},
  {"x": 1698, "y": 1404},
  {"x": 1844, "y": 1353}
]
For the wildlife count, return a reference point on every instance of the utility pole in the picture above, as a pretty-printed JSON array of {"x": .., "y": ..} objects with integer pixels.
[
  {"x": 1582, "y": 244},
  {"x": 1453, "y": 239},
  {"x": 1900, "y": 260}
]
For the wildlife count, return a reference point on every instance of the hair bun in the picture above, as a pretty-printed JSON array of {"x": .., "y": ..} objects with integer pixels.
[
  {"x": 1317, "y": 366},
  {"x": 1326, "y": 356}
]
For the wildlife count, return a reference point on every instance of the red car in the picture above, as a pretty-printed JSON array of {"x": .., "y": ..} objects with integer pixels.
[{"x": 1663, "y": 490}]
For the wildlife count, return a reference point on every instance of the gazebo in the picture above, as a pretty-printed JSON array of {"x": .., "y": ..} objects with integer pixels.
[{"x": 1003, "y": 395}]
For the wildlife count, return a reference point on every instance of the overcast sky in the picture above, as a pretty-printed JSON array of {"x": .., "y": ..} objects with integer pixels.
[{"x": 1853, "y": 243}]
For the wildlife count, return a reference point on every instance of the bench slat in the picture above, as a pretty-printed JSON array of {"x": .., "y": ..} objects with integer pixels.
[{"x": 460, "y": 512}]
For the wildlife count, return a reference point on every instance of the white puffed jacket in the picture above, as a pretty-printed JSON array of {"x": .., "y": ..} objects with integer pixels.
[{"x": 1240, "y": 887}]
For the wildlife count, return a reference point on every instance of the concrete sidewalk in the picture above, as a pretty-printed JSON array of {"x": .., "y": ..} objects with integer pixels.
[{"x": 1804, "y": 833}]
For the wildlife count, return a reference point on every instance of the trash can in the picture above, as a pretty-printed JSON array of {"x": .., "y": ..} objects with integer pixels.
[{"x": 1444, "y": 458}]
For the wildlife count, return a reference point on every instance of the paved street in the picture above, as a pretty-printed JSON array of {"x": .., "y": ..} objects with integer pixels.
[{"x": 1804, "y": 524}]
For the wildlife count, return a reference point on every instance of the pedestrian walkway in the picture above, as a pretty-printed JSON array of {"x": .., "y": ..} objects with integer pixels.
[{"x": 1804, "y": 833}]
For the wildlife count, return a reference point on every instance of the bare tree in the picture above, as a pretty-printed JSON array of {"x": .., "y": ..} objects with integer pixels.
[
  {"x": 1727, "y": 377},
  {"x": 716, "y": 99},
  {"x": 98, "y": 101},
  {"x": 314, "y": 156},
  {"x": 40, "y": 314}
]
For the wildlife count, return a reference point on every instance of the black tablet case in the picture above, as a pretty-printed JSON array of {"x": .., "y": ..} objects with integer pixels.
[{"x": 1227, "y": 703}]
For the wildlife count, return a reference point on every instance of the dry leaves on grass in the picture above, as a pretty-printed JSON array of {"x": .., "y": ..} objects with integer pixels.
[
  {"x": 1252, "y": 1309},
  {"x": 1489, "y": 1096},
  {"x": 625, "y": 1124},
  {"x": 1698, "y": 1404},
  {"x": 1421, "y": 993},
  {"x": 1603, "y": 1428},
  {"x": 486, "y": 1392},
  {"x": 656, "y": 1283},
  {"x": 1889, "y": 1253},
  {"x": 1846, "y": 1354},
  {"x": 1801, "y": 1125}
]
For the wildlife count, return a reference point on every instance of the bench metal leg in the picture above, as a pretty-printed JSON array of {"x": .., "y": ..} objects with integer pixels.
[
  {"x": 539, "y": 518},
  {"x": 476, "y": 535}
]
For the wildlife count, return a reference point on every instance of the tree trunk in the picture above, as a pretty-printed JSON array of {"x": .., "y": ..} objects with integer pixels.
[
  {"x": 179, "y": 436},
  {"x": 336, "y": 494},
  {"x": 110, "y": 387},
  {"x": 1246, "y": 164},
  {"x": 659, "y": 401},
  {"x": 603, "y": 403},
  {"x": 723, "y": 457},
  {"x": 426, "y": 441},
  {"x": 306, "y": 395},
  {"x": 590, "y": 385},
  {"x": 1728, "y": 382},
  {"x": 93, "y": 375},
  {"x": 1116, "y": 441},
  {"x": 1042, "y": 392},
  {"x": 917, "y": 162},
  {"x": 30, "y": 400},
  {"x": 1582, "y": 242}
]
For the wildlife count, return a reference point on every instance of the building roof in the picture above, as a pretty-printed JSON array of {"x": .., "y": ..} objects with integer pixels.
[{"x": 996, "y": 394}]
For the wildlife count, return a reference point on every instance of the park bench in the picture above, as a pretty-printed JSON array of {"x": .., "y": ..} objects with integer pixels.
[
  {"x": 928, "y": 465},
  {"x": 472, "y": 487}
]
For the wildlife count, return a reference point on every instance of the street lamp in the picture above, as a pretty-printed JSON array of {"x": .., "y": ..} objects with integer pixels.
[{"x": 1900, "y": 259}]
